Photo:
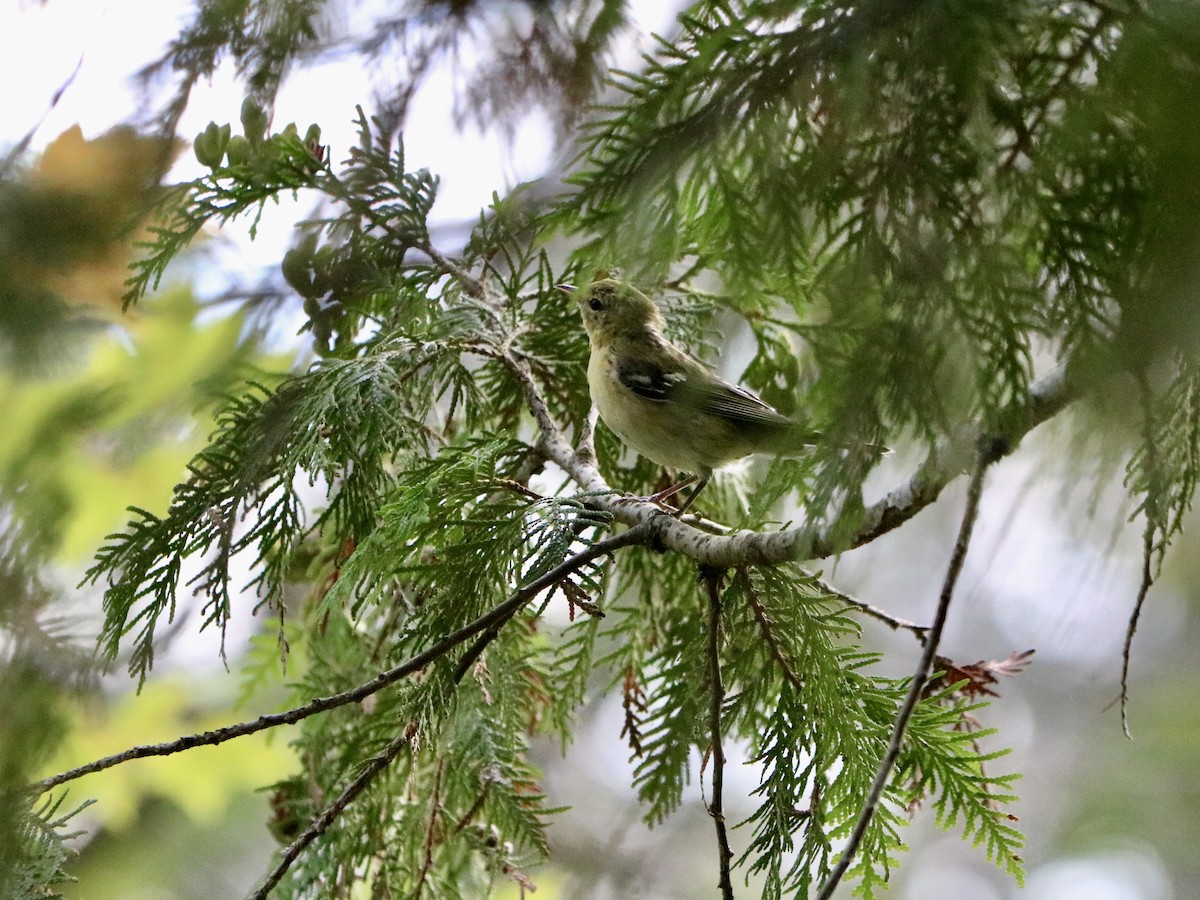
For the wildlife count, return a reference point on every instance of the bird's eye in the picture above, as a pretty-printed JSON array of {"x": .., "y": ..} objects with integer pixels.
[{"x": 596, "y": 305}]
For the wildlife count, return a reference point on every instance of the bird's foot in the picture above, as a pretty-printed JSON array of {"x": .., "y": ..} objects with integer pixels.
[{"x": 660, "y": 498}]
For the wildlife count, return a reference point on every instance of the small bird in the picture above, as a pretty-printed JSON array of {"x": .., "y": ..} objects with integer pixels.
[{"x": 664, "y": 404}]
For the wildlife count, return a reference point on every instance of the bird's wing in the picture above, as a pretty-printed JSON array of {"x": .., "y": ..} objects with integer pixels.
[
  {"x": 681, "y": 380},
  {"x": 738, "y": 405},
  {"x": 651, "y": 379}
]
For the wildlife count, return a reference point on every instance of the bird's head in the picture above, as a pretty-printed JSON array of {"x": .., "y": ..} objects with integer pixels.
[{"x": 611, "y": 308}]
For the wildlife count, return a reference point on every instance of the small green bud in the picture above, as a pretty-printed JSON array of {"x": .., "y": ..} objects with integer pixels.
[
  {"x": 312, "y": 143},
  {"x": 254, "y": 119},
  {"x": 210, "y": 145},
  {"x": 291, "y": 131},
  {"x": 297, "y": 271},
  {"x": 238, "y": 150},
  {"x": 202, "y": 147}
]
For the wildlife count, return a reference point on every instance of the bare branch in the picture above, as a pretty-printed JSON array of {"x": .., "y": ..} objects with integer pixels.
[
  {"x": 586, "y": 445},
  {"x": 579, "y": 464},
  {"x": 884, "y": 773},
  {"x": 712, "y": 581},
  {"x": 949, "y": 459},
  {"x": 373, "y": 769},
  {"x": 952, "y": 457},
  {"x": 1134, "y": 616},
  {"x": 945, "y": 463}
]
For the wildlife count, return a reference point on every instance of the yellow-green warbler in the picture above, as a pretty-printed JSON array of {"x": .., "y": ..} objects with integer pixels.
[{"x": 664, "y": 404}]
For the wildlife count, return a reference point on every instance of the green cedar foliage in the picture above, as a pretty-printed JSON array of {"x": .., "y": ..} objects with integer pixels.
[
  {"x": 908, "y": 209},
  {"x": 39, "y": 671},
  {"x": 36, "y": 851}
]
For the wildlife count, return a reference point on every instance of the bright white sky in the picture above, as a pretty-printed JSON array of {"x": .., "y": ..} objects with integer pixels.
[{"x": 41, "y": 45}]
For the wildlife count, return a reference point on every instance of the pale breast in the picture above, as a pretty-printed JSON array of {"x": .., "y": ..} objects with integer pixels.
[{"x": 666, "y": 433}]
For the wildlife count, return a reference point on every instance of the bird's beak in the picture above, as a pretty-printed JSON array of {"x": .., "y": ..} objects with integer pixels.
[{"x": 565, "y": 288}]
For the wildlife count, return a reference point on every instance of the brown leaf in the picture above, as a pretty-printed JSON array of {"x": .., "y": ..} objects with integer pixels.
[
  {"x": 977, "y": 676},
  {"x": 633, "y": 701}
]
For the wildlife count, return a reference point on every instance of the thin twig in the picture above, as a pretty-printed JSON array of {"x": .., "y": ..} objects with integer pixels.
[
  {"x": 472, "y": 285},
  {"x": 373, "y": 769},
  {"x": 580, "y": 463},
  {"x": 712, "y": 580},
  {"x": 430, "y": 832},
  {"x": 475, "y": 651},
  {"x": 19, "y": 148},
  {"x": 290, "y": 717},
  {"x": 534, "y": 401},
  {"x": 892, "y": 622},
  {"x": 1131, "y": 627},
  {"x": 884, "y": 773},
  {"x": 1150, "y": 511},
  {"x": 768, "y": 631},
  {"x": 493, "y": 617},
  {"x": 1070, "y": 66}
]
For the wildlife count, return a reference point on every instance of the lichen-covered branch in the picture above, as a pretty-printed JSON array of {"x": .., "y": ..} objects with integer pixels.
[{"x": 946, "y": 462}]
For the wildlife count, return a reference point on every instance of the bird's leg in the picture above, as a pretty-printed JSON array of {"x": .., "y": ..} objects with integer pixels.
[
  {"x": 659, "y": 498},
  {"x": 703, "y": 480},
  {"x": 668, "y": 492}
]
